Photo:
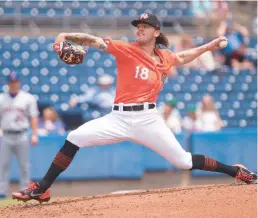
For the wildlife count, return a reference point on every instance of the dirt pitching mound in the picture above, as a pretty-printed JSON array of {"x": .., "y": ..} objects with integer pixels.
[{"x": 195, "y": 201}]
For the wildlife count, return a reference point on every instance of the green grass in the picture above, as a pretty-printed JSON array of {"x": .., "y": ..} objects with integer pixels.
[{"x": 7, "y": 202}]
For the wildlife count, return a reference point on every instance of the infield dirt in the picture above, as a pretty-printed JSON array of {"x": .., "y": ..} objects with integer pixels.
[{"x": 236, "y": 201}]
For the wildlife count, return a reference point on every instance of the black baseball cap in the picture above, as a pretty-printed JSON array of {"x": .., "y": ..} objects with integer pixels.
[{"x": 148, "y": 18}]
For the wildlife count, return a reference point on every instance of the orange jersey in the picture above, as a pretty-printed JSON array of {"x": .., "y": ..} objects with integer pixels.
[{"x": 139, "y": 78}]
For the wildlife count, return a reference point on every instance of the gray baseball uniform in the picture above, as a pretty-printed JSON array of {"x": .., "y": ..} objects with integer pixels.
[{"x": 15, "y": 114}]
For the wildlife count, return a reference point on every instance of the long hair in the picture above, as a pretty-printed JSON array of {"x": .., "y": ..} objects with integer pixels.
[{"x": 162, "y": 40}]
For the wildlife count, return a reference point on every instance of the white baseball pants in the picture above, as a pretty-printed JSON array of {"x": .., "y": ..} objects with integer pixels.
[{"x": 144, "y": 127}]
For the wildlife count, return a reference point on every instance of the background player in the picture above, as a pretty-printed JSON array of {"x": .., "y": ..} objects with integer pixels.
[
  {"x": 18, "y": 110},
  {"x": 142, "y": 68}
]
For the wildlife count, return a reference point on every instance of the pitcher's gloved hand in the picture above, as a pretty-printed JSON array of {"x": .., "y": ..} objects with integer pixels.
[{"x": 68, "y": 53}]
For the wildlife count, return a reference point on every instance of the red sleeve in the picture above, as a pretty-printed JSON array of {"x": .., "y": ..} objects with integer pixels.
[{"x": 116, "y": 47}]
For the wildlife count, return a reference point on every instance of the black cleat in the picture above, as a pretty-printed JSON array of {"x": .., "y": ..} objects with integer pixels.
[{"x": 33, "y": 192}]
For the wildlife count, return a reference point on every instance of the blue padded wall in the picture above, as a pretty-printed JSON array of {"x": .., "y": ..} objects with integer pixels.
[{"x": 229, "y": 147}]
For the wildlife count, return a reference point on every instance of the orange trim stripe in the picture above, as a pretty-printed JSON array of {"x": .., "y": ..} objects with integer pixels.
[{"x": 210, "y": 164}]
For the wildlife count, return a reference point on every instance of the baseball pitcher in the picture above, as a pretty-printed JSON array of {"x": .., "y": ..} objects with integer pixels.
[{"x": 141, "y": 69}]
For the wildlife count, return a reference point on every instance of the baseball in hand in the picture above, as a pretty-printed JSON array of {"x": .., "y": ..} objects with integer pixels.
[{"x": 223, "y": 44}]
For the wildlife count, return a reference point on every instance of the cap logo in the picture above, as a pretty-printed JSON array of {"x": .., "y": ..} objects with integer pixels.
[{"x": 144, "y": 16}]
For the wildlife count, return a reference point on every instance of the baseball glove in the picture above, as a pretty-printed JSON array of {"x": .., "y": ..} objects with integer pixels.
[{"x": 68, "y": 53}]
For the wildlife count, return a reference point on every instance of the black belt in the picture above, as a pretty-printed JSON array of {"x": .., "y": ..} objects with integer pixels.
[
  {"x": 134, "y": 107},
  {"x": 14, "y": 131}
]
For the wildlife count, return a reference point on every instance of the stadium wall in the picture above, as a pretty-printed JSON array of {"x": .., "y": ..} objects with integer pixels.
[{"x": 128, "y": 160}]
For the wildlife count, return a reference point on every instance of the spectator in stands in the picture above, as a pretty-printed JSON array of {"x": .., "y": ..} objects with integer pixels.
[
  {"x": 238, "y": 37},
  {"x": 201, "y": 10},
  {"x": 207, "y": 13},
  {"x": 100, "y": 97},
  {"x": 208, "y": 115},
  {"x": 205, "y": 61},
  {"x": 250, "y": 61},
  {"x": 172, "y": 116},
  {"x": 50, "y": 123},
  {"x": 220, "y": 10},
  {"x": 190, "y": 121}
]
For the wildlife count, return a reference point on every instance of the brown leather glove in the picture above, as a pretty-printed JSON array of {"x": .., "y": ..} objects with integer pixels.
[{"x": 68, "y": 53}]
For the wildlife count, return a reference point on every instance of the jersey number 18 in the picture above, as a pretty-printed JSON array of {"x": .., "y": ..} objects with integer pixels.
[{"x": 142, "y": 73}]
